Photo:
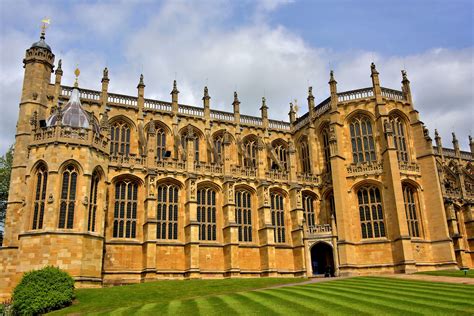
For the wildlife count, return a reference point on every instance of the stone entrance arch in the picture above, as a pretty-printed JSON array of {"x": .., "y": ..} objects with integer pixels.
[{"x": 322, "y": 259}]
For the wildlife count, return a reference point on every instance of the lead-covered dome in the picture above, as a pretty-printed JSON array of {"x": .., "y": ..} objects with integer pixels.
[{"x": 73, "y": 115}]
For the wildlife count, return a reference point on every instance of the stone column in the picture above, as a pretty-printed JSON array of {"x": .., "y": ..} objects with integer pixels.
[
  {"x": 230, "y": 231},
  {"x": 149, "y": 228},
  {"x": 266, "y": 232},
  {"x": 191, "y": 230},
  {"x": 297, "y": 235}
]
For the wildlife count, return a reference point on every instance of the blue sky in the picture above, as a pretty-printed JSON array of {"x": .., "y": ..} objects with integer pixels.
[{"x": 274, "y": 48}]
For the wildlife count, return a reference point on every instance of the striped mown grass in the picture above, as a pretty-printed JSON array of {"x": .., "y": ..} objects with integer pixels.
[
  {"x": 354, "y": 296},
  {"x": 450, "y": 273}
]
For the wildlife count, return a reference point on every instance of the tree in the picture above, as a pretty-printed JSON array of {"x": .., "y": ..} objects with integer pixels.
[{"x": 5, "y": 172}]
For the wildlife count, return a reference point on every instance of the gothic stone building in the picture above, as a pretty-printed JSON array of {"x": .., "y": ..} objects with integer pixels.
[{"x": 119, "y": 189}]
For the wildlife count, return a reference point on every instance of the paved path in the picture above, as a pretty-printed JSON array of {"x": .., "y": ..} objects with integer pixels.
[{"x": 432, "y": 278}]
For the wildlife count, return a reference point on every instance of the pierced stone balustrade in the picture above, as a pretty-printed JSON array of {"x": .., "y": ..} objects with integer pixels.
[
  {"x": 308, "y": 178},
  {"x": 409, "y": 167},
  {"x": 365, "y": 169},
  {"x": 277, "y": 175},
  {"x": 169, "y": 164},
  {"x": 243, "y": 171},
  {"x": 211, "y": 168},
  {"x": 70, "y": 135},
  {"x": 127, "y": 160},
  {"x": 222, "y": 116},
  {"x": 319, "y": 231},
  {"x": 355, "y": 94}
]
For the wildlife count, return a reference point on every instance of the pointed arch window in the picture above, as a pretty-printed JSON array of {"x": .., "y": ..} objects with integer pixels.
[
  {"x": 160, "y": 143},
  {"x": 218, "y": 145},
  {"x": 362, "y": 140},
  {"x": 68, "y": 197},
  {"x": 195, "y": 138},
  {"x": 305, "y": 158},
  {"x": 40, "y": 196},
  {"x": 250, "y": 154},
  {"x": 125, "y": 209},
  {"x": 409, "y": 197},
  {"x": 120, "y": 139},
  {"x": 371, "y": 212},
  {"x": 399, "y": 138},
  {"x": 167, "y": 212},
  {"x": 277, "y": 209},
  {"x": 308, "y": 208},
  {"x": 93, "y": 202},
  {"x": 243, "y": 214},
  {"x": 206, "y": 214},
  {"x": 281, "y": 151},
  {"x": 326, "y": 149}
]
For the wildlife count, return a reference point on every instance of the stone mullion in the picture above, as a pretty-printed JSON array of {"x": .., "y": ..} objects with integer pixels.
[
  {"x": 230, "y": 231},
  {"x": 266, "y": 232},
  {"x": 297, "y": 233},
  {"x": 191, "y": 229}
]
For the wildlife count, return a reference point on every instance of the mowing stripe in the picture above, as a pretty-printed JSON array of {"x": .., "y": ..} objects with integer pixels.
[
  {"x": 187, "y": 307},
  {"x": 452, "y": 295},
  {"x": 246, "y": 306},
  {"x": 291, "y": 298},
  {"x": 215, "y": 305},
  {"x": 327, "y": 302},
  {"x": 450, "y": 303},
  {"x": 173, "y": 307},
  {"x": 291, "y": 305},
  {"x": 445, "y": 285},
  {"x": 396, "y": 298},
  {"x": 377, "y": 304}
]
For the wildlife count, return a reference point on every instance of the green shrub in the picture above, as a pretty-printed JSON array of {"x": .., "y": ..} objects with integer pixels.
[{"x": 42, "y": 291}]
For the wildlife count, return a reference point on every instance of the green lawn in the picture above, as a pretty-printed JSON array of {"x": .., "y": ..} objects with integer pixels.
[
  {"x": 450, "y": 273},
  {"x": 355, "y": 296}
]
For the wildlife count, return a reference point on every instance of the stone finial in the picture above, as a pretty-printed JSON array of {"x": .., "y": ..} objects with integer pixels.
[
  {"x": 175, "y": 88},
  {"x": 141, "y": 82},
  {"x": 471, "y": 144},
  {"x": 310, "y": 92},
  {"x": 454, "y": 137},
  {"x": 373, "y": 69},
  {"x": 105, "y": 74},
  {"x": 236, "y": 97},
  {"x": 436, "y": 133},
  {"x": 264, "y": 103},
  {"x": 404, "y": 75},
  {"x": 292, "y": 113},
  {"x": 206, "y": 94},
  {"x": 59, "y": 70},
  {"x": 331, "y": 76}
]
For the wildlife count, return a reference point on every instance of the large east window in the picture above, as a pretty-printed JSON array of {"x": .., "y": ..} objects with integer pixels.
[
  {"x": 120, "y": 139},
  {"x": 362, "y": 140},
  {"x": 278, "y": 216},
  {"x": 167, "y": 211},
  {"x": 409, "y": 197},
  {"x": 68, "y": 197},
  {"x": 243, "y": 214},
  {"x": 125, "y": 209},
  {"x": 206, "y": 214},
  {"x": 370, "y": 212},
  {"x": 40, "y": 196}
]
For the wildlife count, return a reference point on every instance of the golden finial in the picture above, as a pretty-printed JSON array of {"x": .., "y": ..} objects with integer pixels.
[
  {"x": 77, "y": 72},
  {"x": 44, "y": 26}
]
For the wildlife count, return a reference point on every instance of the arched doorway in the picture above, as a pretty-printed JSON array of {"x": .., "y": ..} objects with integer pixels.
[{"x": 322, "y": 260}]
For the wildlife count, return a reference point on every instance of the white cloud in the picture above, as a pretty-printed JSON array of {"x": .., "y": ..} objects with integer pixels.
[{"x": 194, "y": 42}]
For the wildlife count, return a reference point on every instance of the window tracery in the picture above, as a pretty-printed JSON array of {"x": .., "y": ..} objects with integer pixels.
[
  {"x": 125, "y": 209},
  {"x": 167, "y": 211},
  {"x": 362, "y": 139},
  {"x": 40, "y": 196},
  {"x": 371, "y": 212},
  {"x": 68, "y": 197}
]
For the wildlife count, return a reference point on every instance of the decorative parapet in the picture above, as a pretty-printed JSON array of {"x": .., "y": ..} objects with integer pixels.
[
  {"x": 308, "y": 178},
  {"x": 243, "y": 172},
  {"x": 391, "y": 94},
  {"x": 127, "y": 160},
  {"x": 170, "y": 165},
  {"x": 365, "y": 169},
  {"x": 118, "y": 99},
  {"x": 277, "y": 175},
  {"x": 70, "y": 135},
  {"x": 159, "y": 106},
  {"x": 211, "y": 168},
  {"x": 222, "y": 116},
  {"x": 250, "y": 120},
  {"x": 358, "y": 94},
  {"x": 316, "y": 231},
  {"x": 84, "y": 94},
  {"x": 409, "y": 168},
  {"x": 188, "y": 110},
  {"x": 282, "y": 125}
]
